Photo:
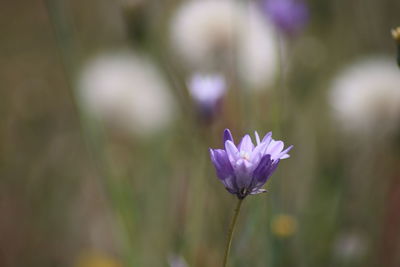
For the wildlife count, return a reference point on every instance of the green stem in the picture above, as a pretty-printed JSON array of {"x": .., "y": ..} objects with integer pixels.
[{"x": 231, "y": 230}]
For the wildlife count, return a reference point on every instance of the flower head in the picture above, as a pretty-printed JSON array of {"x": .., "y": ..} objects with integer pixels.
[
  {"x": 289, "y": 16},
  {"x": 258, "y": 51},
  {"x": 207, "y": 92},
  {"x": 245, "y": 168}
]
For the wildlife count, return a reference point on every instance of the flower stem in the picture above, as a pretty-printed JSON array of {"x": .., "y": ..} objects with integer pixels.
[{"x": 231, "y": 230}]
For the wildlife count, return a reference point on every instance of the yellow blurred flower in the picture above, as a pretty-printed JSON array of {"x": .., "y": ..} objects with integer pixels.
[
  {"x": 284, "y": 225},
  {"x": 396, "y": 34},
  {"x": 96, "y": 259}
]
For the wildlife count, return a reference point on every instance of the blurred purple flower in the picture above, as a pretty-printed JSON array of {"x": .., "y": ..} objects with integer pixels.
[
  {"x": 245, "y": 168},
  {"x": 290, "y": 16},
  {"x": 177, "y": 261},
  {"x": 207, "y": 91}
]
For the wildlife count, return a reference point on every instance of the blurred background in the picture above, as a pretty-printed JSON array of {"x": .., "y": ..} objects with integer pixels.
[{"x": 108, "y": 109}]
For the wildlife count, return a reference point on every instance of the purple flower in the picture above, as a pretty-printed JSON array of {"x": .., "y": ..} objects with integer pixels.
[
  {"x": 245, "y": 168},
  {"x": 290, "y": 16},
  {"x": 207, "y": 92}
]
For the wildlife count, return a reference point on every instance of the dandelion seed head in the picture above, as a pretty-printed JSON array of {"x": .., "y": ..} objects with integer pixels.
[
  {"x": 127, "y": 91},
  {"x": 221, "y": 34},
  {"x": 365, "y": 97}
]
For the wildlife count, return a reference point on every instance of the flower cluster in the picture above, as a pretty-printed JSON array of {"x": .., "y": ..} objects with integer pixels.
[{"x": 245, "y": 168}]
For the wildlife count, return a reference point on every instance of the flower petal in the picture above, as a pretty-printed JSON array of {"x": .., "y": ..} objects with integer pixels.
[
  {"x": 274, "y": 149},
  {"x": 261, "y": 177},
  {"x": 261, "y": 170},
  {"x": 227, "y": 135},
  {"x": 222, "y": 164},
  {"x": 257, "y": 153},
  {"x": 267, "y": 138},
  {"x": 246, "y": 144},
  {"x": 284, "y": 154},
  {"x": 232, "y": 151},
  {"x": 213, "y": 160},
  {"x": 257, "y": 137},
  {"x": 269, "y": 172}
]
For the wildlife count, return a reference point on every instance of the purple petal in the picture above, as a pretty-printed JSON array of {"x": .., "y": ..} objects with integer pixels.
[
  {"x": 267, "y": 138},
  {"x": 288, "y": 149},
  {"x": 227, "y": 135},
  {"x": 214, "y": 160},
  {"x": 270, "y": 171},
  {"x": 257, "y": 137},
  {"x": 212, "y": 154},
  {"x": 265, "y": 171},
  {"x": 284, "y": 154},
  {"x": 243, "y": 173},
  {"x": 222, "y": 164},
  {"x": 274, "y": 149},
  {"x": 246, "y": 144},
  {"x": 232, "y": 151},
  {"x": 263, "y": 165},
  {"x": 258, "y": 152}
]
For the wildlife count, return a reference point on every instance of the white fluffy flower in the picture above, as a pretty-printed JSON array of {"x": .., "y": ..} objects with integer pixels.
[
  {"x": 366, "y": 96},
  {"x": 210, "y": 33},
  {"x": 203, "y": 31},
  {"x": 127, "y": 91},
  {"x": 258, "y": 53}
]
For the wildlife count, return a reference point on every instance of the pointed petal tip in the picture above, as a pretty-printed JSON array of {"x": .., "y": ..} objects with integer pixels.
[
  {"x": 212, "y": 155},
  {"x": 267, "y": 136},
  {"x": 227, "y": 135},
  {"x": 257, "y": 137},
  {"x": 246, "y": 144},
  {"x": 230, "y": 148},
  {"x": 284, "y": 154}
]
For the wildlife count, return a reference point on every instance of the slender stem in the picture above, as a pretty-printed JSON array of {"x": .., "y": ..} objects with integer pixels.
[{"x": 231, "y": 230}]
